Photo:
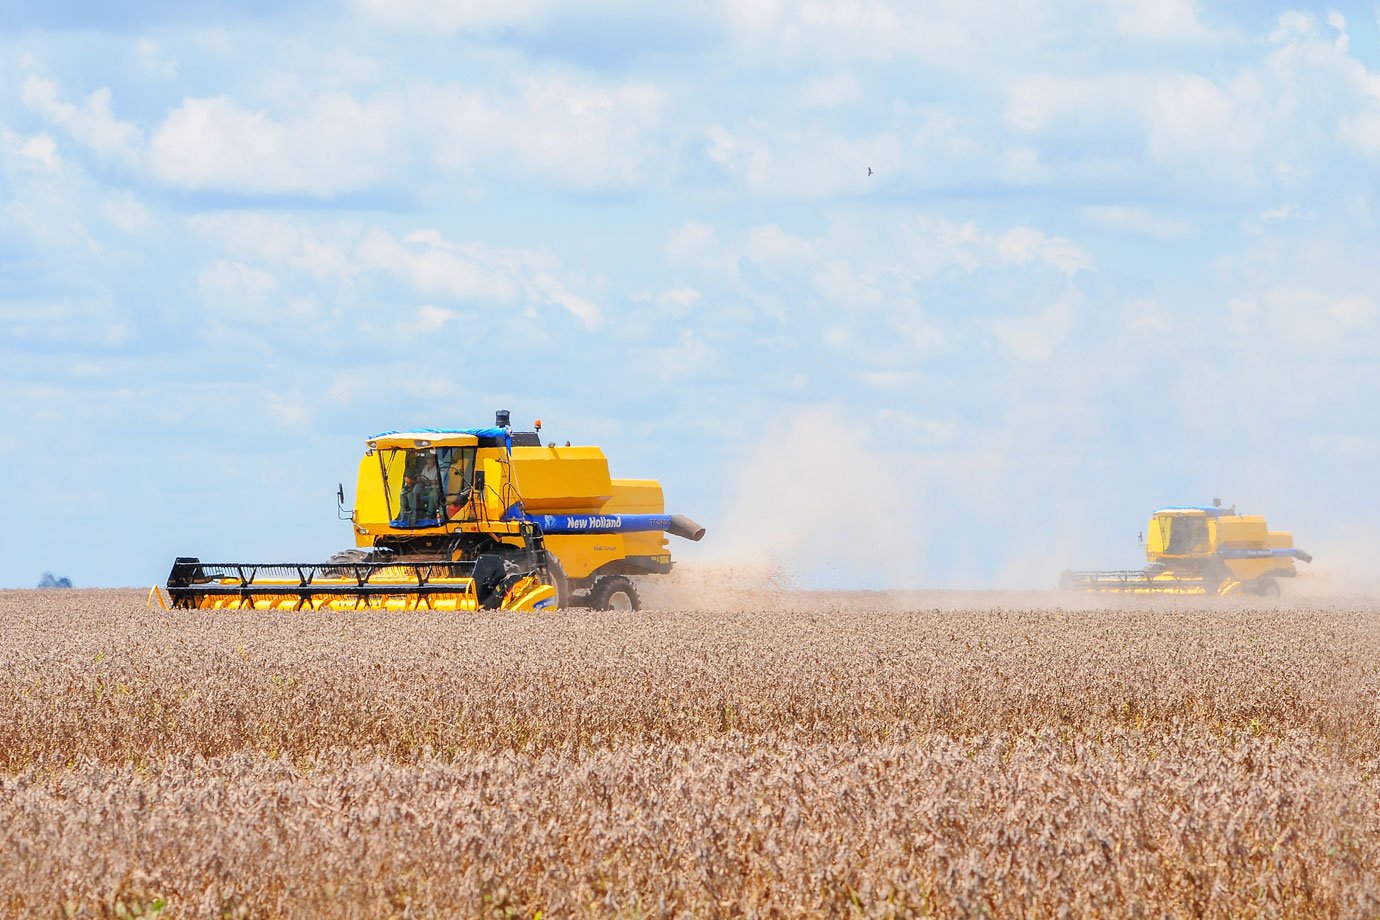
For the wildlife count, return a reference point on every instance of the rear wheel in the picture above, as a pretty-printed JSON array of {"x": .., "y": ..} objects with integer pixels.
[
  {"x": 1264, "y": 587},
  {"x": 614, "y": 593}
]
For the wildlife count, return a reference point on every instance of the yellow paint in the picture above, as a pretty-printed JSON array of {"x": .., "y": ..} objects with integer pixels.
[
  {"x": 1190, "y": 551},
  {"x": 555, "y": 480}
]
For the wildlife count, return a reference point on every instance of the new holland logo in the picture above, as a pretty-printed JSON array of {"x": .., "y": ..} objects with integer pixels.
[{"x": 590, "y": 522}]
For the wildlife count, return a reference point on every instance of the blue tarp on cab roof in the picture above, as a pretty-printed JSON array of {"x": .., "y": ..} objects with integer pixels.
[{"x": 477, "y": 432}]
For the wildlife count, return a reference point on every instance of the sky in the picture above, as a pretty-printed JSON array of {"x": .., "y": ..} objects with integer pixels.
[{"x": 1111, "y": 256}]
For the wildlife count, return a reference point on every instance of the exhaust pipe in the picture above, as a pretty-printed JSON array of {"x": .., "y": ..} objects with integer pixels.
[{"x": 685, "y": 528}]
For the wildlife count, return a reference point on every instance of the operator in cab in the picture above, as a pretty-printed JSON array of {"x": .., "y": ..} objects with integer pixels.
[{"x": 421, "y": 496}]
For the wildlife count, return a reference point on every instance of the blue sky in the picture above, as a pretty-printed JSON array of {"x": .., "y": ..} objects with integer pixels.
[{"x": 1113, "y": 255}]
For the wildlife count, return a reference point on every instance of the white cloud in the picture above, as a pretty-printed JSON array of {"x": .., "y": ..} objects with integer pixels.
[
  {"x": 839, "y": 282},
  {"x": 545, "y": 288},
  {"x": 881, "y": 30},
  {"x": 321, "y": 250},
  {"x": 1302, "y": 320},
  {"x": 433, "y": 266},
  {"x": 954, "y": 35},
  {"x": 92, "y": 123},
  {"x": 1160, "y": 19},
  {"x": 338, "y": 145},
  {"x": 431, "y": 318},
  {"x": 679, "y": 301},
  {"x": 1024, "y": 245},
  {"x": 397, "y": 323},
  {"x": 832, "y": 91},
  {"x": 450, "y": 16},
  {"x": 778, "y": 161},
  {"x": 288, "y": 412},
  {"x": 687, "y": 358},
  {"x": 126, "y": 213},
  {"x": 154, "y": 59},
  {"x": 887, "y": 380},
  {"x": 37, "y": 152},
  {"x": 1144, "y": 316},
  {"x": 43, "y": 198},
  {"x": 68, "y": 322},
  {"x": 240, "y": 291},
  {"x": 1265, "y": 121},
  {"x": 559, "y": 127},
  {"x": 1192, "y": 121},
  {"x": 938, "y": 242},
  {"x": 928, "y": 431},
  {"x": 425, "y": 261},
  {"x": 1034, "y": 337},
  {"x": 776, "y": 251},
  {"x": 1138, "y": 221},
  {"x": 695, "y": 247},
  {"x": 1277, "y": 216}
]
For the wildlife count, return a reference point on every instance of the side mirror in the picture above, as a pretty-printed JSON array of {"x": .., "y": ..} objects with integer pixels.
[
  {"x": 1140, "y": 538},
  {"x": 340, "y": 494}
]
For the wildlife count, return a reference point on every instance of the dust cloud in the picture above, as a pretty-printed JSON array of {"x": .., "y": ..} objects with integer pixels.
[
  {"x": 813, "y": 503},
  {"x": 823, "y": 502}
]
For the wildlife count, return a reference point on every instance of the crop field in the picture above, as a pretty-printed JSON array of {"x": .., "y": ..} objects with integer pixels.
[{"x": 788, "y": 755}]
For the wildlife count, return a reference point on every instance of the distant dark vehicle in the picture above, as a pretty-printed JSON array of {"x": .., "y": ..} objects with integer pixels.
[{"x": 49, "y": 580}]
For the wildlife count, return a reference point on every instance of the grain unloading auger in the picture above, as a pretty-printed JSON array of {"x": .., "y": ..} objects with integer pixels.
[
  {"x": 1202, "y": 551},
  {"x": 467, "y": 519}
]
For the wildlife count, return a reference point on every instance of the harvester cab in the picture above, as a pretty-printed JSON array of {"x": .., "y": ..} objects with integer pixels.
[
  {"x": 464, "y": 519},
  {"x": 1204, "y": 551}
]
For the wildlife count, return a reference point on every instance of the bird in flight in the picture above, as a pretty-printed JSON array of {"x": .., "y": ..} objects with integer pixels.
[{"x": 869, "y": 170}]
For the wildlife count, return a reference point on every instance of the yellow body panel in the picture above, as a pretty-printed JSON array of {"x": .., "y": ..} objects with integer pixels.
[
  {"x": 547, "y": 480},
  {"x": 581, "y": 555},
  {"x": 640, "y": 496},
  {"x": 371, "y": 510},
  {"x": 1182, "y": 535},
  {"x": 562, "y": 479}
]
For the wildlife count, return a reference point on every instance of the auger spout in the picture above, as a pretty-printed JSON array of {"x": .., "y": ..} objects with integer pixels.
[{"x": 685, "y": 528}]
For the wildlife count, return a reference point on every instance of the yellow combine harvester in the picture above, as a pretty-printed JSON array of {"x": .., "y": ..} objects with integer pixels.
[
  {"x": 467, "y": 519},
  {"x": 1206, "y": 551}
]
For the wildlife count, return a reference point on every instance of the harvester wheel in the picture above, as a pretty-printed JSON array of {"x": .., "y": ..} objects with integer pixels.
[
  {"x": 1264, "y": 587},
  {"x": 614, "y": 592},
  {"x": 558, "y": 581}
]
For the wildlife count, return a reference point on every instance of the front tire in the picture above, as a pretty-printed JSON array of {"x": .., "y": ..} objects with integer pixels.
[
  {"x": 558, "y": 580},
  {"x": 615, "y": 592}
]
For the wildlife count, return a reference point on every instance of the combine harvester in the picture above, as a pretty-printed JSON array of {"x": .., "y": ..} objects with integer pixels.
[
  {"x": 1204, "y": 551},
  {"x": 467, "y": 519}
]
